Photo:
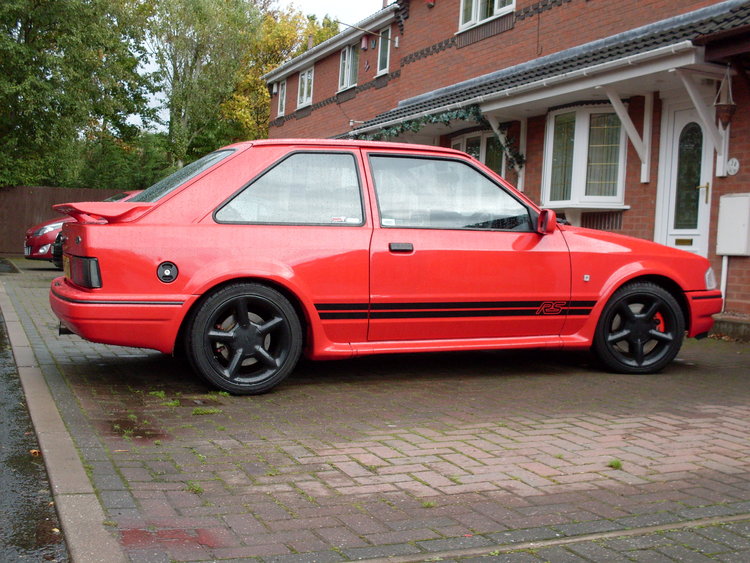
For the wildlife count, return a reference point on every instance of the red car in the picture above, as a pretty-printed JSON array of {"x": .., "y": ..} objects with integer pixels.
[
  {"x": 40, "y": 238},
  {"x": 265, "y": 250}
]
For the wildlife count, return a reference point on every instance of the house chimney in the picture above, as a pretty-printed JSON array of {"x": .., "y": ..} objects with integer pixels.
[{"x": 385, "y": 3}]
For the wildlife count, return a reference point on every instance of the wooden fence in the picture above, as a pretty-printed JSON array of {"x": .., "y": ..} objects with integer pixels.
[{"x": 22, "y": 207}]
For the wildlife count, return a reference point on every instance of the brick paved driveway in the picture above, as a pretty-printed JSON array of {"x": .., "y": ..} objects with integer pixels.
[{"x": 408, "y": 457}]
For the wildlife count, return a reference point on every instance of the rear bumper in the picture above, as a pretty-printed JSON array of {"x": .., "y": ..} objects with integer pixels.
[
  {"x": 145, "y": 323},
  {"x": 703, "y": 305}
]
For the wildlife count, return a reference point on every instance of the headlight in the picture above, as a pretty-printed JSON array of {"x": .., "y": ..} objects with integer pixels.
[
  {"x": 710, "y": 279},
  {"x": 48, "y": 228}
]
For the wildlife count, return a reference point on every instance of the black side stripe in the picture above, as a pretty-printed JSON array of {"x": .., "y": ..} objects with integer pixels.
[{"x": 476, "y": 309}]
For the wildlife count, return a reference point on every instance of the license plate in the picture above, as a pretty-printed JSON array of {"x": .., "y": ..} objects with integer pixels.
[
  {"x": 66, "y": 266},
  {"x": 27, "y": 251}
]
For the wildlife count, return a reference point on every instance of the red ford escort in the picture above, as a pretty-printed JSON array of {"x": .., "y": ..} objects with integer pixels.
[{"x": 265, "y": 250}]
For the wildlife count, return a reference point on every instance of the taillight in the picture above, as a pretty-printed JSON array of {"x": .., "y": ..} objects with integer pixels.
[{"x": 83, "y": 271}]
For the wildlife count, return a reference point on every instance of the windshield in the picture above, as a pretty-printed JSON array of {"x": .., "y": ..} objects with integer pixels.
[{"x": 176, "y": 179}]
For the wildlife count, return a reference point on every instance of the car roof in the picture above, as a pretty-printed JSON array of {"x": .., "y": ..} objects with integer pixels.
[{"x": 349, "y": 143}]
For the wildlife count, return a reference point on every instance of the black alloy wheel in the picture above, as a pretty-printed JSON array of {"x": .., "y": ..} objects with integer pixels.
[
  {"x": 244, "y": 338},
  {"x": 640, "y": 330}
]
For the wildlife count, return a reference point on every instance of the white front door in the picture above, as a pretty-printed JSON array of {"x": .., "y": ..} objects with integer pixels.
[{"x": 684, "y": 213}]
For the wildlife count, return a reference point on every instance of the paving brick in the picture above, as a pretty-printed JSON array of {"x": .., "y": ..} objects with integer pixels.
[{"x": 338, "y": 458}]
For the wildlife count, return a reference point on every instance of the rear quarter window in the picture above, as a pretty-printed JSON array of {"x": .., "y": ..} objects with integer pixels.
[{"x": 306, "y": 188}]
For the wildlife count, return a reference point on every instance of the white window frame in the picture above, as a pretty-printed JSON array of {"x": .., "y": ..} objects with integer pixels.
[
  {"x": 384, "y": 43},
  {"x": 282, "y": 98},
  {"x": 348, "y": 67},
  {"x": 474, "y": 19},
  {"x": 578, "y": 197},
  {"x": 459, "y": 143},
  {"x": 305, "y": 87}
]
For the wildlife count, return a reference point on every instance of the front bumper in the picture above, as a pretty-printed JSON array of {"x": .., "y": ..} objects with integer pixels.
[
  {"x": 43, "y": 252},
  {"x": 703, "y": 306}
]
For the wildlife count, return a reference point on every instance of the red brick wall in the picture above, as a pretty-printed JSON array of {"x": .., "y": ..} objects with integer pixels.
[
  {"x": 558, "y": 28},
  {"x": 738, "y": 286}
]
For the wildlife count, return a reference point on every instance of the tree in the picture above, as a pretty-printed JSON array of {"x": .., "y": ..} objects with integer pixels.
[
  {"x": 282, "y": 36},
  {"x": 198, "y": 47},
  {"x": 65, "y": 66}
]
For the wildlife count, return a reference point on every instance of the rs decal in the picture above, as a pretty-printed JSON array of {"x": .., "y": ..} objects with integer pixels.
[{"x": 551, "y": 308}]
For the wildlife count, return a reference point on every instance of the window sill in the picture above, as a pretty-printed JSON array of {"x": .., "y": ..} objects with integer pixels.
[
  {"x": 303, "y": 106},
  {"x": 345, "y": 89},
  {"x": 472, "y": 26}
]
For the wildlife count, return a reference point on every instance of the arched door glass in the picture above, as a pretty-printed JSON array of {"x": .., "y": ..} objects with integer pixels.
[{"x": 689, "y": 159}]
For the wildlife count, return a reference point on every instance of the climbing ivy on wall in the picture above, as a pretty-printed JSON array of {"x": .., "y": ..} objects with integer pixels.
[{"x": 469, "y": 113}]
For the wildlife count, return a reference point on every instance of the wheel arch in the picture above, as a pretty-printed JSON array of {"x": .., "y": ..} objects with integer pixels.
[
  {"x": 288, "y": 293},
  {"x": 666, "y": 283}
]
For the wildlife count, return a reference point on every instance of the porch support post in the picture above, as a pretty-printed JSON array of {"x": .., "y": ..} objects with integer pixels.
[
  {"x": 648, "y": 119},
  {"x": 718, "y": 136},
  {"x": 522, "y": 148},
  {"x": 495, "y": 124},
  {"x": 642, "y": 148}
]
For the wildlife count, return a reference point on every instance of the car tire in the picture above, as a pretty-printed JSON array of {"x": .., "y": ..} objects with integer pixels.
[
  {"x": 253, "y": 355},
  {"x": 640, "y": 329}
]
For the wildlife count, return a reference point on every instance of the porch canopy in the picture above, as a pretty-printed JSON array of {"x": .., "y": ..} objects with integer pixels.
[{"x": 665, "y": 56}]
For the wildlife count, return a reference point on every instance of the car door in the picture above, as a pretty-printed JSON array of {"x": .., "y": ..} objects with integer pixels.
[{"x": 455, "y": 255}]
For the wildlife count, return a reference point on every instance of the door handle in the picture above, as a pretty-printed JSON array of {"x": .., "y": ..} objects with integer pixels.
[
  {"x": 707, "y": 185},
  {"x": 401, "y": 247}
]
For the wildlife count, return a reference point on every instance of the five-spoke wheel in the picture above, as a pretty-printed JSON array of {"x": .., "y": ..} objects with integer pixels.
[
  {"x": 640, "y": 330},
  {"x": 244, "y": 338}
]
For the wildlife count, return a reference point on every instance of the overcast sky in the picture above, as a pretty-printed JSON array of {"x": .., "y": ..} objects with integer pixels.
[{"x": 347, "y": 11}]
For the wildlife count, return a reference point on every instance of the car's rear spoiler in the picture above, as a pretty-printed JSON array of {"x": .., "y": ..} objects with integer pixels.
[{"x": 103, "y": 211}]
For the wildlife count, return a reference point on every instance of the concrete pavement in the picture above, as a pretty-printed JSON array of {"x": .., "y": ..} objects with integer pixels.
[{"x": 503, "y": 456}]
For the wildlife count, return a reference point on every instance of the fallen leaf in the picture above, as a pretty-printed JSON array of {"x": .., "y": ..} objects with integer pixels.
[{"x": 35, "y": 453}]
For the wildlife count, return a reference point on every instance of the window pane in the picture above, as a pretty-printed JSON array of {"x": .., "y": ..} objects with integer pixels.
[
  {"x": 467, "y": 11},
  {"x": 343, "y": 68},
  {"x": 442, "y": 194},
  {"x": 493, "y": 157},
  {"x": 304, "y": 189},
  {"x": 603, "y": 155},
  {"x": 384, "y": 47},
  {"x": 282, "y": 97},
  {"x": 562, "y": 156},
  {"x": 353, "y": 66},
  {"x": 689, "y": 157},
  {"x": 486, "y": 9},
  {"x": 473, "y": 146}
]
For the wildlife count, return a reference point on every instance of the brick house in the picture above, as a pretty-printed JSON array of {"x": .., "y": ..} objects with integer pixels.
[{"x": 615, "y": 114}]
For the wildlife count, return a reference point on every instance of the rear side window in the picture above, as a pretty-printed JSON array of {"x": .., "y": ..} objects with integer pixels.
[
  {"x": 303, "y": 189},
  {"x": 433, "y": 193}
]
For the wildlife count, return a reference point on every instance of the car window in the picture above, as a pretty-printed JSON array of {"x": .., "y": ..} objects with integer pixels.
[
  {"x": 176, "y": 179},
  {"x": 442, "y": 194},
  {"x": 303, "y": 189}
]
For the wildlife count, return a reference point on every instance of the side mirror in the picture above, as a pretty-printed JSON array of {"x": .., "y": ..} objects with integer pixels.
[{"x": 547, "y": 222}]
